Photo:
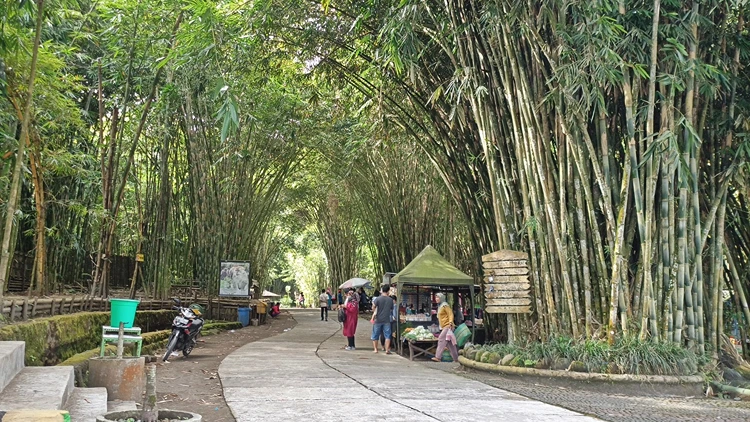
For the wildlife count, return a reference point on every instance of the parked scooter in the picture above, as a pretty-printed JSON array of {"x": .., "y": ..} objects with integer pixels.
[{"x": 185, "y": 330}]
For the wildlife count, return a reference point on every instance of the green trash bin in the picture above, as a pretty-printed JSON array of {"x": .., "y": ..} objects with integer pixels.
[{"x": 123, "y": 310}]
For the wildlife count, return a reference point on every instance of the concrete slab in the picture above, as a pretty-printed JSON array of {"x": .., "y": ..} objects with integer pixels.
[
  {"x": 11, "y": 360},
  {"x": 505, "y": 410},
  {"x": 330, "y": 410},
  {"x": 297, "y": 393},
  {"x": 305, "y": 373},
  {"x": 121, "y": 405},
  {"x": 39, "y": 388},
  {"x": 85, "y": 404},
  {"x": 277, "y": 383}
]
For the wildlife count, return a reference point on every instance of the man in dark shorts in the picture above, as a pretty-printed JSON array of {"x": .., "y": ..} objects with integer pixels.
[{"x": 381, "y": 319}]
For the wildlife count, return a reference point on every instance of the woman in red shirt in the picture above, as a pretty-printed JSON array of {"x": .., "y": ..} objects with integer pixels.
[{"x": 351, "y": 307}]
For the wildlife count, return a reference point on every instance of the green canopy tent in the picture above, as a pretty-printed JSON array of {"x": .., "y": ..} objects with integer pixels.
[{"x": 429, "y": 268}]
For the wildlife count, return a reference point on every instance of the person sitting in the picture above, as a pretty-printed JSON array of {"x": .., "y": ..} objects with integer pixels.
[{"x": 275, "y": 311}]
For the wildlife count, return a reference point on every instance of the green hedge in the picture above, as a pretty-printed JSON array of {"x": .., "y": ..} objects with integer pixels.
[{"x": 52, "y": 340}]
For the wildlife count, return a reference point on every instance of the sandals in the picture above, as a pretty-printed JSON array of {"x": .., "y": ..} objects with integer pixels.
[{"x": 436, "y": 360}]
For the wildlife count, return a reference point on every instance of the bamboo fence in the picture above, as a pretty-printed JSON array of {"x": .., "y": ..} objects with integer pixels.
[{"x": 23, "y": 309}]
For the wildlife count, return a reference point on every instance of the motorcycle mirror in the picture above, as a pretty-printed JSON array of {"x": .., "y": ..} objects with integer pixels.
[{"x": 176, "y": 300}]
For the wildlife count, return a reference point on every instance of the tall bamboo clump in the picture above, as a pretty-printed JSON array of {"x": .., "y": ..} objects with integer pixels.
[
  {"x": 339, "y": 236},
  {"x": 402, "y": 204},
  {"x": 608, "y": 140},
  {"x": 233, "y": 197}
]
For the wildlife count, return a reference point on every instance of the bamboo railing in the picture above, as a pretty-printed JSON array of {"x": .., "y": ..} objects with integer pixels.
[{"x": 23, "y": 309}]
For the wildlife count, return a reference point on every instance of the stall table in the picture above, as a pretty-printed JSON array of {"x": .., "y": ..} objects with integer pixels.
[{"x": 422, "y": 348}]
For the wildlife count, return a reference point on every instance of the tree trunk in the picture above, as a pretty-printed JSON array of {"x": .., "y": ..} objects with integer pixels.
[{"x": 23, "y": 140}]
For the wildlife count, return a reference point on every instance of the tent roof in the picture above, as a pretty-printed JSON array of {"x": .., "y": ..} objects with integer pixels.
[
  {"x": 266, "y": 293},
  {"x": 429, "y": 268}
]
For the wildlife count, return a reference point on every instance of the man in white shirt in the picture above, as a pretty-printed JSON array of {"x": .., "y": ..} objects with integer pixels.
[{"x": 323, "y": 299}]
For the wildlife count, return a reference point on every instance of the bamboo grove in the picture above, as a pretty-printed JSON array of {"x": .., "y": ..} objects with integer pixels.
[
  {"x": 144, "y": 139},
  {"x": 608, "y": 139}
]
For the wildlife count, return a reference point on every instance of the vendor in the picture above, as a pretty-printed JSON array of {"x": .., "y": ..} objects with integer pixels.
[{"x": 447, "y": 338}]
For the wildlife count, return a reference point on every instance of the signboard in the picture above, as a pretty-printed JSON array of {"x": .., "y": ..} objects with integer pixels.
[
  {"x": 507, "y": 289},
  {"x": 234, "y": 278}
]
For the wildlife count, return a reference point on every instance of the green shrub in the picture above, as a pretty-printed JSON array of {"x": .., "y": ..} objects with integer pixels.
[
  {"x": 628, "y": 355},
  {"x": 54, "y": 339},
  {"x": 517, "y": 361}
]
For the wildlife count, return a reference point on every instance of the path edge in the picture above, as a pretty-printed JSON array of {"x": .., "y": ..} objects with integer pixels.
[{"x": 583, "y": 376}]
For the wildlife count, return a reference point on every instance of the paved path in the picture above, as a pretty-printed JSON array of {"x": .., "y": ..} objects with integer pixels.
[{"x": 305, "y": 373}]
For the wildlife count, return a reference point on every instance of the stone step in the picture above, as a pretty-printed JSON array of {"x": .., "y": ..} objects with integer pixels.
[
  {"x": 36, "y": 416},
  {"x": 11, "y": 360},
  {"x": 85, "y": 404},
  {"x": 121, "y": 405},
  {"x": 38, "y": 388}
]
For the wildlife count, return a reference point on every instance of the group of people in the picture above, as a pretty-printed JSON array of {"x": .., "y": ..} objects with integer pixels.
[
  {"x": 384, "y": 314},
  {"x": 383, "y": 320}
]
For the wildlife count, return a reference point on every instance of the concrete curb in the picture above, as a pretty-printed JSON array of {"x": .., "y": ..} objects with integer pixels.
[{"x": 582, "y": 376}]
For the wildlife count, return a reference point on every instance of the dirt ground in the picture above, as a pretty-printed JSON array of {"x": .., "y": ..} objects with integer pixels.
[{"x": 192, "y": 384}]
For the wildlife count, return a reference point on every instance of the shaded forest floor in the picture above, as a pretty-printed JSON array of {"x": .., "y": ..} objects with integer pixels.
[{"x": 192, "y": 384}]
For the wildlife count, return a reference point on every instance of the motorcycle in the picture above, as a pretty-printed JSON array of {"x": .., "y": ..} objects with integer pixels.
[{"x": 186, "y": 328}]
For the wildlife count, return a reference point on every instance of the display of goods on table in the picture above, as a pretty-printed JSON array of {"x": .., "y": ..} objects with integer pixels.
[{"x": 418, "y": 334}]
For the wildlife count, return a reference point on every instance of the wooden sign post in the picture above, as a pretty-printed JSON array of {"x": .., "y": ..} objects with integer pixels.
[{"x": 507, "y": 289}]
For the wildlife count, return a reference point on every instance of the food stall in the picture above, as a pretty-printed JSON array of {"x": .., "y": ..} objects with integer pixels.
[{"x": 416, "y": 285}]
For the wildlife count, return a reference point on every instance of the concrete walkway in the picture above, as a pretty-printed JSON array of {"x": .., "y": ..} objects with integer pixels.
[{"x": 304, "y": 374}]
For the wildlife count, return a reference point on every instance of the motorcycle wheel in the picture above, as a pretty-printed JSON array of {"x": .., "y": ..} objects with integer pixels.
[
  {"x": 187, "y": 349},
  {"x": 171, "y": 344},
  {"x": 190, "y": 345}
]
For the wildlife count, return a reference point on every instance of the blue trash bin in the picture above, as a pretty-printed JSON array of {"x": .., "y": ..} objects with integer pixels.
[{"x": 243, "y": 316}]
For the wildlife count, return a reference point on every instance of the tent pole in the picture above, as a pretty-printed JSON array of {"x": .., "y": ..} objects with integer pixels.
[
  {"x": 471, "y": 312},
  {"x": 398, "y": 318}
]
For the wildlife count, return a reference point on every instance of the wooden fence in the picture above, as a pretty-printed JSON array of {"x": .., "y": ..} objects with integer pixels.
[{"x": 22, "y": 309}]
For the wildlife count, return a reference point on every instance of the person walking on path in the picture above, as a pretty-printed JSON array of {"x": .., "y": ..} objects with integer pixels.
[
  {"x": 330, "y": 300},
  {"x": 445, "y": 318},
  {"x": 323, "y": 299},
  {"x": 301, "y": 300},
  {"x": 381, "y": 319},
  {"x": 351, "y": 308},
  {"x": 339, "y": 299}
]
